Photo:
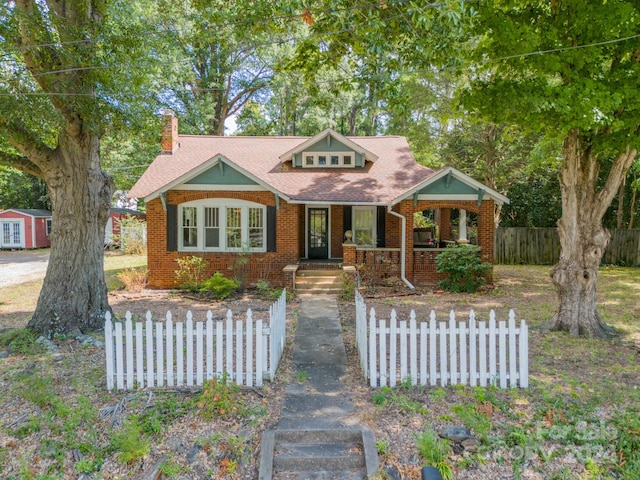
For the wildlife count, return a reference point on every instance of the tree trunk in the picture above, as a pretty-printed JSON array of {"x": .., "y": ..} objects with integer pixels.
[
  {"x": 74, "y": 293},
  {"x": 620, "y": 215},
  {"x": 583, "y": 239}
]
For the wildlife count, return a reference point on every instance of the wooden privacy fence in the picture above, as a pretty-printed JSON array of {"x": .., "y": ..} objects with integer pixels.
[
  {"x": 541, "y": 246},
  {"x": 159, "y": 354},
  {"x": 480, "y": 354}
]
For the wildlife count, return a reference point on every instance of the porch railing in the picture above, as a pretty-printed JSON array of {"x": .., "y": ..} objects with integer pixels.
[{"x": 379, "y": 262}]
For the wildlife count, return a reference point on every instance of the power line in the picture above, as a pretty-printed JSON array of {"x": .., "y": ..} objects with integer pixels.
[{"x": 379, "y": 75}]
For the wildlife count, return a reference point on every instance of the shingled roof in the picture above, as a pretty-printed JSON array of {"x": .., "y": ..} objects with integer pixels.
[{"x": 382, "y": 182}]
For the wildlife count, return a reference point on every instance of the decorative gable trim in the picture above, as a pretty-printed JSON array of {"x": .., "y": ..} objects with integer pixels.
[
  {"x": 219, "y": 160},
  {"x": 331, "y": 134},
  {"x": 473, "y": 190}
]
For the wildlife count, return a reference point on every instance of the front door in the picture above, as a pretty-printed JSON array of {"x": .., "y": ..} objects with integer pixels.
[
  {"x": 318, "y": 237},
  {"x": 11, "y": 234}
]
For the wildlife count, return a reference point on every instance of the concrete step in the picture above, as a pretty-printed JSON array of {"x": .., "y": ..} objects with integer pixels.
[
  {"x": 319, "y": 273},
  {"x": 319, "y": 282},
  {"x": 318, "y": 454},
  {"x": 318, "y": 291}
]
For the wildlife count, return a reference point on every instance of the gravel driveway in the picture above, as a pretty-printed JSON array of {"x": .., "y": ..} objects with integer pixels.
[{"x": 22, "y": 266}]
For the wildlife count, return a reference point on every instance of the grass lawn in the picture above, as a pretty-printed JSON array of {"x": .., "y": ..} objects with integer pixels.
[
  {"x": 580, "y": 417},
  {"x": 578, "y": 420}
]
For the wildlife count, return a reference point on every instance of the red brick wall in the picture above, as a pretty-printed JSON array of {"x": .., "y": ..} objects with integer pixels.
[
  {"x": 268, "y": 265},
  {"x": 337, "y": 230},
  {"x": 425, "y": 268},
  {"x": 41, "y": 233}
]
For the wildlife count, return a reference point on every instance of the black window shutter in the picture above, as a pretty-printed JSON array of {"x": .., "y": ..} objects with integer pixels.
[
  {"x": 380, "y": 226},
  {"x": 271, "y": 229},
  {"x": 172, "y": 228},
  {"x": 346, "y": 219}
]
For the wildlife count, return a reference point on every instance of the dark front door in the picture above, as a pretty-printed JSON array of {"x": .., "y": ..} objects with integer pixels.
[{"x": 318, "y": 237}]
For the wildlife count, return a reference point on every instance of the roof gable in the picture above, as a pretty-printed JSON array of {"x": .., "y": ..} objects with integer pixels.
[
  {"x": 221, "y": 174},
  {"x": 328, "y": 141},
  {"x": 454, "y": 184},
  {"x": 31, "y": 212}
]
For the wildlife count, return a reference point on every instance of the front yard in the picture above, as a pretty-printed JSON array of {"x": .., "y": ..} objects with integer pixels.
[{"x": 578, "y": 419}]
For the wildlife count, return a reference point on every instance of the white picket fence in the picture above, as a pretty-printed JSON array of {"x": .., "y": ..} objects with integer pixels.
[
  {"x": 159, "y": 354},
  {"x": 448, "y": 353}
]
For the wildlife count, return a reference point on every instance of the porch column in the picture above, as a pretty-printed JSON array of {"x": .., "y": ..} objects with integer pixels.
[
  {"x": 349, "y": 254},
  {"x": 462, "y": 227},
  {"x": 444, "y": 224},
  {"x": 486, "y": 233},
  {"x": 406, "y": 209}
]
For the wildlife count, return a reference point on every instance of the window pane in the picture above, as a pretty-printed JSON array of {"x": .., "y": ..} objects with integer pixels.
[
  {"x": 256, "y": 227},
  {"x": 346, "y": 160},
  {"x": 363, "y": 230},
  {"x": 234, "y": 228},
  {"x": 309, "y": 159},
  {"x": 189, "y": 227},
  {"x": 322, "y": 159},
  {"x": 211, "y": 227},
  {"x": 6, "y": 232},
  {"x": 335, "y": 159}
]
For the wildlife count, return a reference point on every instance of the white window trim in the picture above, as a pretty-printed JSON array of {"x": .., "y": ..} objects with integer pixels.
[
  {"x": 47, "y": 226},
  {"x": 374, "y": 226},
  {"x": 222, "y": 204},
  {"x": 340, "y": 155}
]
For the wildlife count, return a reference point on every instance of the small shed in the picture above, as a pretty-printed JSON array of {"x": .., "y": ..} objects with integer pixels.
[
  {"x": 25, "y": 228},
  {"x": 113, "y": 223}
]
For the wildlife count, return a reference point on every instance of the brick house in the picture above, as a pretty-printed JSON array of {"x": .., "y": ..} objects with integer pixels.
[{"x": 264, "y": 207}]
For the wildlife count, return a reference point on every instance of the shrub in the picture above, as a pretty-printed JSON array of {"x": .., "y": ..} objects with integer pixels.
[
  {"x": 220, "y": 397},
  {"x": 134, "y": 279},
  {"x": 349, "y": 286},
  {"x": 129, "y": 442},
  {"x": 435, "y": 452},
  {"x": 219, "y": 285},
  {"x": 132, "y": 238},
  {"x": 466, "y": 271},
  {"x": 189, "y": 275}
]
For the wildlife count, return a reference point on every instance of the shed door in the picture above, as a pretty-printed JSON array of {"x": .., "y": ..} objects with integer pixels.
[
  {"x": 11, "y": 232},
  {"x": 318, "y": 237}
]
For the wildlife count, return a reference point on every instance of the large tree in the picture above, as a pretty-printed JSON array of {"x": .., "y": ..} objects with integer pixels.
[
  {"x": 567, "y": 69},
  {"x": 59, "y": 64},
  {"x": 221, "y": 55}
]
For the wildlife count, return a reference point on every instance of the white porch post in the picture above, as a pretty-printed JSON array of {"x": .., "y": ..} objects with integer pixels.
[{"x": 462, "y": 230}]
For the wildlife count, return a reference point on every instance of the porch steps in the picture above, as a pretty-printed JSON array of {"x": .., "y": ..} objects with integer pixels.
[
  {"x": 325, "y": 282},
  {"x": 318, "y": 454}
]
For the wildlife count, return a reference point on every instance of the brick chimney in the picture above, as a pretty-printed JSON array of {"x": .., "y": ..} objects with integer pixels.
[{"x": 169, "y": 132}]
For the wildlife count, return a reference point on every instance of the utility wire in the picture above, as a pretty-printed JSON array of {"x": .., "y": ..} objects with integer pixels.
[{"x": 379, "y": 75}]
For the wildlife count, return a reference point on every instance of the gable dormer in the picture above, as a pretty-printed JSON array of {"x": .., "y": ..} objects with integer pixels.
[{"x": 328, "y": 149}]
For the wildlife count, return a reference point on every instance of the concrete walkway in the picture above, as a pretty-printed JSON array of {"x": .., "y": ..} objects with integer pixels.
[
  {"x": 313, "y": 439},
  {"x": 318, "y": 351}
]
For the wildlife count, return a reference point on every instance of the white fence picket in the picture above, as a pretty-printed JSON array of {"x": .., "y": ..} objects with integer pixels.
[
  {"x": 249, "y": 346},
  {"x": 189, "y": 345},
  {"x": 473, "y": 357},
  {"x": 119, "y": 363},
  {"x": 413, "y": 348},
  {"x": 159, "y": 355},
  {"x": 453, "y": 351},
  {"x": 199, "y": 353},
  {"x": 149, "y": 338},
  {"x": 129, "y": 348},
  {"x": 373, "y": 365},
  {"x": 447, "y": 353},
  {"x": 179, "y": 354},
  {"x": 155, "y": 354},
  {"x": 169, "y": 336},
  {"x": 108, "y": 346}
]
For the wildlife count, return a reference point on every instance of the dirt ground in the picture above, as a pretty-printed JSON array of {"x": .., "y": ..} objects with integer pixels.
[{"x": 37, "y": 441}]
